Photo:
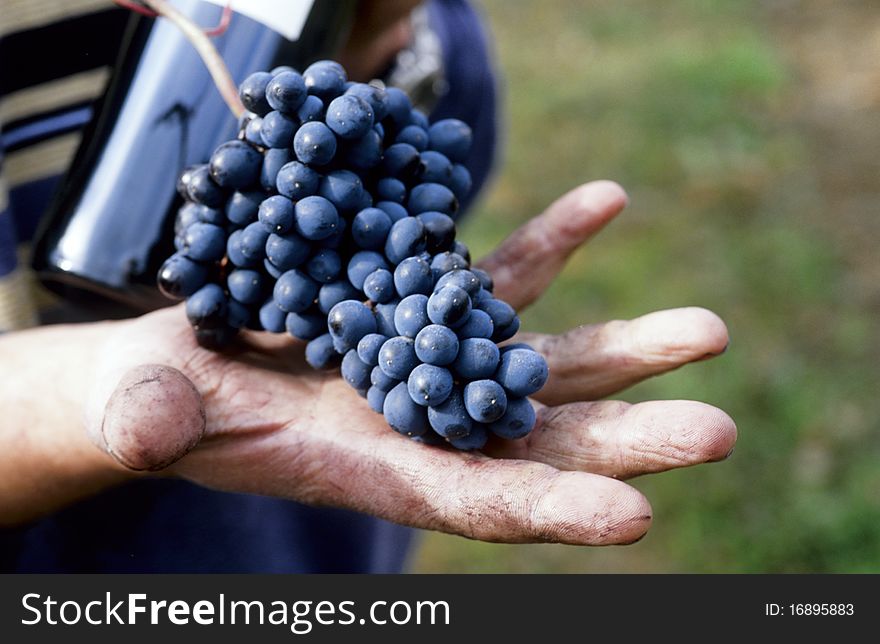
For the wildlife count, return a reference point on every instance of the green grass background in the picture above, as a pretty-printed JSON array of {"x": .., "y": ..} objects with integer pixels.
[{"x": 754, "y": 193}]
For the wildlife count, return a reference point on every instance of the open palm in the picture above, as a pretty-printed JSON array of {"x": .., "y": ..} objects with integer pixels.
[{"x": 258, "y": 419}]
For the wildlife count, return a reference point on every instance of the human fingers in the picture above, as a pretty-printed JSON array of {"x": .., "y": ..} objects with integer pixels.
[
  {"x": 526, "y": 262},
  {"x": 620, "y": 440},
  {"x": 594, "y": 361}
]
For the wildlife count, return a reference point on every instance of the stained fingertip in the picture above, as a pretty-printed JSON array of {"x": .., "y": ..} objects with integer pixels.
[
  {"x": 605, "y": 193},
  {"x": 154, "y": 417},
  {"x": 702, "y": 434},
  {"x": 585, "y": 509},
  {"x": 587, "y": 208},
  {"x": 710, "y": 329}
]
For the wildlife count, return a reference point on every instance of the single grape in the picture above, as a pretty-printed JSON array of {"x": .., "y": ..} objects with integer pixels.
[
  {"x": 366, "y": 152},
  {"x": 437, "y": 168},
  {"x": 202, "y": 189},
  {"x": 461, "y": 249},
  {"x": 305, "y": 326},
  {"x": 477, "y": 359},
  {"x": 501, "y": 312},
  {"x": 506, "y": 332},
  {"x": 418, "y": 117},
  {"x": 393, "y": 210},
  {"x": 207, "y": 307},
  {"x": 180, "y": 277},
  {"x": 397, "y": 358},
  {"x": 324, "y": 266},
  {"x": 184, "y": 179},
  {"x": 343, "y": 188},
  {"x": 277, "y": 214},
  {"x": 187, "y": 215},
  {"x": 450, "y": 419},
  {"x": 415, "y": 136},
  {"x": 440, "y": 229},
  {"x": 349, "y": 116},
  {"x": 349, "y": 321},
  {"x": 462, "y": 278},
  {"x": 411, "y": 315},
  {"x": 477, "y": 439},
  {"x": 450, "y": 306},
  {"x": 312, "y": 109},
  {"x": 478, "y": 325},
  {"x": 401, "y": 161},
  {"x": 355, "y": 371},
  {"x": 429, "y": 385},
  {"x": 437, "y": 345},
  {"x": 314, "y": 143},
  {"x": 413, "y": 275},
  {"x": 452, "y": 138},
  {"x": 252, "y": 92},
  {"x": 368, "y": 348},
  {"x": 460, "y": 183},
  {"x": 363, "y": 263},
  {"x": 294, "y": 291},
  {"x": 273, "y": 160},
  {"x": 246, "y": 286},
  {"x": 252, "y": 131},
  {"x": 385, "y": 317},
  {"x": 445, "y": 262},
  {"x": 286, "y": 251},
  {"x": 204, "y": 242},
  {"x": 391, "y": 189},
  {"x": 296, "y": 181},
  {"x": 379, "y": 286},
  {"x": 431, "y": 197},
  {"x": 335, "y": 292},
  {"x": 485, "y": 400},
  {"x": 522, "y": 372},
  {"x": 325, "y": 79},
  {"x": 242, "y": 207},
  {"x": 376, "y": 399},
  {"x": 517, "y": 421},
  {"x": 399, "y": 106},
  {"x": 375, "y": 97},
  {"x": 320, "y": 353},
  {"x": 271, "y": 317},
  {"x": 235, "y": 165},
  {"x": 316, "y": 218},
  {"x": 233, "y": 251},
  {"x": 402, "y": 414},
  {"x": 286, "y": 92},
  {"x": 370, "y": 228},
  {"x": 380, "y": 380},
  {"x": 278, "y": 129},
  {"x": 485, "y": 279},
  {"x": 407, "y": 238},
  {"x": 253, "y": 242}
]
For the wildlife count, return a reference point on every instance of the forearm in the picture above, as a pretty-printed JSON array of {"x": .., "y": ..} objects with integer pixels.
[{"x": 46, "y": 458}]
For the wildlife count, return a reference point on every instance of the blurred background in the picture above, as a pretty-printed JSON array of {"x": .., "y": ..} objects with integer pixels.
[{"x": 747, "y": 134}]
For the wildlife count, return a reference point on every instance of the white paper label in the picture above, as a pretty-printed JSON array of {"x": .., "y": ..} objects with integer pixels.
[{"x": 287, "y": 17}]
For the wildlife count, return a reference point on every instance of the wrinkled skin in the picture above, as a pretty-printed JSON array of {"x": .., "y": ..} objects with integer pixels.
[{"x": 273, "y": 426}]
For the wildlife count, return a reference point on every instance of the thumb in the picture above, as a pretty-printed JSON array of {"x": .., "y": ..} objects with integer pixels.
[{"x": 153, "y": 418}]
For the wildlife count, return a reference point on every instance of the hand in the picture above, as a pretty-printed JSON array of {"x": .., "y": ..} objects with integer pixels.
[{"x": 258, "y": 419}]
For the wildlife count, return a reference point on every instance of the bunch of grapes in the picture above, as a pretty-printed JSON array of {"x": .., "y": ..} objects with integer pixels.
[{"x": 331, "y": 217}]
